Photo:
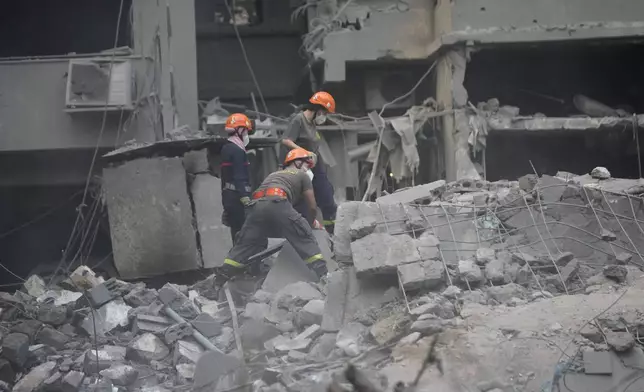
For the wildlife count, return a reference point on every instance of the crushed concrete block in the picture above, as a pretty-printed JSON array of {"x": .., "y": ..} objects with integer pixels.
[
  {"x": 414, "y": 195},
  {"x": 334, "y": 306},
  {"x": 410, "y": 339},
  {"x": 592, "y": 333},
  {"x": 153, "y": 324},
  {"x": 309, "y": 333},
  {"x": 206, "y": 195},
  {"x": 567, "y": 273},
  {"x": 293, "y": 344},
  {"x": 53, "y": 383},
  {"x": 608, "y": 235},
  {"x": 54, "y": 315},
  {"x": 381, "y": 253},
  {"x": 254, "y": 333},
  {"x": 350, "y": 338},
  {"x": 323, "y": 347},
  {"x": 470, "y": 272},
  {"x": 186, "y": 370},
  {"x": 387, "y": 329},
  {"x": 551, "y": 189},
  {"x": 362, "y": 227},
  {"x": 84, "y": 278},
  {"x": 100, "y": 295},
  {"x": 207, "y": 325},
  {"x": 262, "y": 297},
  {"x": 563, "y": 258},
  {"x": 600, "y": 173},
  {"x": 212, "y": 366},
  {"x": 103, "y": 358},
  {"x": 177, "y": 301},
  {"x": 28, "y": 327},
  {"x": 186, "y": 352},
  {"x": 72, "y": 381},
  {"x": 620, "y": 341},
  {"x": 141, "y": 296},
  {"x": 436, "y": 305},
  {"x": 15, "y": 348},
  {"x": 505, "y": 293},
  {"x": 35, "y": 378},
  {"x": 428, "y": 326},
  {"x": 60, "y": 297},
  {"x": 150, "y": 217},
  {"x": 428, "y": 274},
  {"x": 177, "y": 332},
  {"x": 495, "y": 271},
  {"x": 623, "y": 258},
  {"x": 146, "y": 348},
  {"x": 300, "y": 292},
  {"x": 618, "y": 273},
  {"x": 122, "y": 375},
  {"x": 256, "y": 311},
  {"x": 35, "y": 286},
  {"x": 53, "y": 338},
  {"x": 485, "y": 255},
  {"x": 310, "y": 314},
  {"x": 109, "y": 316},
  {"x": 452, "y": 292}
]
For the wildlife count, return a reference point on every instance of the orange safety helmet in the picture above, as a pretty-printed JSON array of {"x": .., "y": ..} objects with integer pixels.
[
  {"x": 300, "y": 153},
  {"x": 325, "y": 100},
  {"x": 237, "y": 120}
]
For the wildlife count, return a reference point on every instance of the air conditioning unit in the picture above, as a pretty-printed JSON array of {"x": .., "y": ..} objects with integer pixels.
[
  {"x": 383, "y": 86},
  {"x": 92, "y": 86}
]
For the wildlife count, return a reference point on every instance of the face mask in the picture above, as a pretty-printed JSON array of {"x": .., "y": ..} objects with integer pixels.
[
  {"x": 309, "y": 173},
  {"x": 245, "y": 139},
  {"x": 320, "y": 119}
]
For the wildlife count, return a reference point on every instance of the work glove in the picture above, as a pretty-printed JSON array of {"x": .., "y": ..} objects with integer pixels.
[
  {"x": 314, "y": 157},
  {"x": 245, "y": 201},
  {"x": 319, "y": 267},
  {"x": 317, "y": 225}
]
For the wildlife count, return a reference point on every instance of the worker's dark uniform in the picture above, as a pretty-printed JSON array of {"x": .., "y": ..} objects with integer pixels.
[
  {"x": 304, "y": 134},
  {"x": 272, "y": 215},
  {"x": 235, "y": 184}
]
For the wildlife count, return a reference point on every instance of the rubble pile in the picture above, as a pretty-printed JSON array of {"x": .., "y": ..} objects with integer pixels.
[{"x": 477, "y": 269}]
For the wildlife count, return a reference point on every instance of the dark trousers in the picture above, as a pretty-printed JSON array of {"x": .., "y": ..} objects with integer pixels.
[
  {"x": 235, "y": 212},
  {"x": 323, "y": 196}
]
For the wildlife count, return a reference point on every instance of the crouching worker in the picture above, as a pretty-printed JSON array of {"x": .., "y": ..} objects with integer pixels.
[
  {"x": 235, "y": 180},
  {"x": 272, "y": 215}
]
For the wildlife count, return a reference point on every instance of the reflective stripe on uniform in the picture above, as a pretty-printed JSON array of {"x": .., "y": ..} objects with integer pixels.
[
  {"x": 314, "y": 258},
  {"x": 233, "y": 263},
  {"x": 328, "y": 222}
]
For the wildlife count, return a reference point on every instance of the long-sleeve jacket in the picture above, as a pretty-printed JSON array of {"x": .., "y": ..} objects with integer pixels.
[{"x": 234, "y": 170}]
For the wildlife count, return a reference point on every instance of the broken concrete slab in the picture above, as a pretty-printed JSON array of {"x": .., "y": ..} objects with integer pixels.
[
  {"x": 207, "y": 325},
  {"x": 141, "y": 296},
  {"x": 362, "y": 227},
  {"x": 310, "y": 314},
  {"x": 470, "y": 272},
  {"x": 211, "y": 367},
  {"x": 216, "y": 239},
  {"x": 495, "y": 271},
  {"x": 428, "y": 274},
  {"x": 153, "y": 324},
  {"x": 288, "y": 268},
  {"x": 386, "y": 330},
  {"x": 618, "y": 273},
  {"x": 146, "y": 348},
  {"x": 186, "y": 351},
  {"x": 96, "y": 360},
  {"x": 293, "y": 344},
  {"x": 620, "y": 341},
  {"x": 177, "y": 332},
  {"x": 414, "y": 195},
  {"x": 254, "y": 333},
  {"x": 109, "y": 316},
  {"x": 150, "y": 217},
  {"x": 99, "y": 296},
  {"x": 506, "y": 293},
  {"x": 35, "y": 286},
  {"x": 84, "y": 278},
  {"x": 256, "y": 311},
  {"x": 299, "y": 292},
  {"x": 53, "y": 338},
  {"x": 15, "y": 348},
  {"x": 35, "y": 378},
  {"x": 28, "y": 327},
  {"x": 72, "y": 381},
  {"x": 54, "y": 315}
]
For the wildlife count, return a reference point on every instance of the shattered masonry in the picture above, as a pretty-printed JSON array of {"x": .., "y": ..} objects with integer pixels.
[{"x": 477, "y": 269}]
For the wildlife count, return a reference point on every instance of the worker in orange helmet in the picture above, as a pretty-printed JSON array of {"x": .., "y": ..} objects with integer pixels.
[
  {"x": 272, "y": 215},
  {"x": 302, "y": 133},
  {"x": 235, "y": 178}
]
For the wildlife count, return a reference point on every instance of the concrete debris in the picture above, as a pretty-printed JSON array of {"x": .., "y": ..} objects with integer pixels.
[
  {"x": 35, "y": 378},
  {"x": 350, "y": 339},
  {"x": 146, "y": 348},
  {"x": 620, "y": 341},
  {"x": 311, "y": 314},
  {"x": 177, "y": 332},
  {"x": 414, "y": 195},
  {"x": 617, "y": 273},
  {"x": 362, "y": 227},
  {"x": 35, "y": 286},
  {"x": 84, "y": 278},
  {"x": 122, "y": 375},
  {"x": 428, "y": 274},
  {"x": 110, "y": 316},
  {"x": 15, "y": 348},
  {"x": 177, "y": 301},
  {"x": 207, "y": 325},
  {"x": 469, "y": 272},
  {"x": 600, "y": 173}
]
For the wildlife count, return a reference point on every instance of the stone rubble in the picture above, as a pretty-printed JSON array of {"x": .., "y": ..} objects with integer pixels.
[{"x": 415, "y": 264}]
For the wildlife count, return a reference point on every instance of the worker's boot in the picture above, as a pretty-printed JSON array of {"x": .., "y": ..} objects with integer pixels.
[
  {"x": 228, "y": 272},
  {"x": 319, "y": 267}
]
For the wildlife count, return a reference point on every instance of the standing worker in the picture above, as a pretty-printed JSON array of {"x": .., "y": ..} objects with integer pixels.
[
  {"x": 302, "y": 133},
  {"x": 235, "y": 179},
  {"x": 272, "y": 215}
]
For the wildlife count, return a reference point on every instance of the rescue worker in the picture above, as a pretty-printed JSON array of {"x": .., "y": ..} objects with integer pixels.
[
  {"x": 302, "y": 133},
  {"x": 272, "y": 215},
  {"x": 235, "y": 178}
]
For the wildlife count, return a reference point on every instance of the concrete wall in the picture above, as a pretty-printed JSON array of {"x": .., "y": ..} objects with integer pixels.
[
  {"x": 528, "y": 20},
  {"x": 33, "y": 117},
  {"x": 174, "y": 22},
  {"x": 387, "y": 33}
]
